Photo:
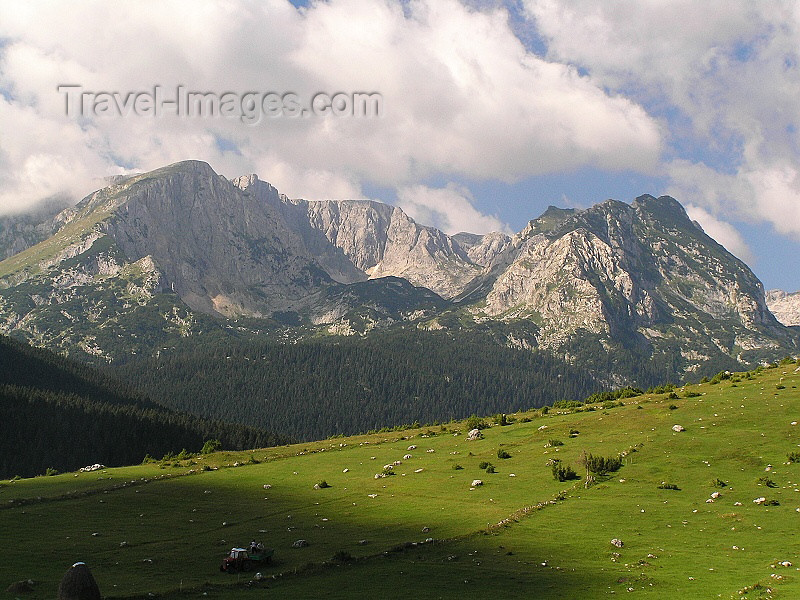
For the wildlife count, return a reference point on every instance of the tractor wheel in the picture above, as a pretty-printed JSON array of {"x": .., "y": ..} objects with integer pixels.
[{"x": 246, "y": 566}]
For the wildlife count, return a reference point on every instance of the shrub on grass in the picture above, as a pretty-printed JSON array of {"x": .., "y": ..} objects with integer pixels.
[
  {"x": 718, "y": 483},
  {"x": 563, "y": 473},
  {"x": 457, "y": 467},
  {"x": 673, "y": 407},
  {"x": 668, "y": 486},
  {"x": 491, "y": 469},
  {"x": 793, "y": 457},
  {"x": 692, "y": 394},
  {"x": 553, "y": 443},
  {"x": 502, "y": 454},
  {"x": 602, "y": 465},
  {"x": 766, "y": 481},
  {"x": 483, "y": 464},
  {"x": 475, "y": 422}
]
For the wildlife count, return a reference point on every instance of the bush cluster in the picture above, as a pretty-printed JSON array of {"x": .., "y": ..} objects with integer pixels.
[
  {"x": 563, "y": 473},
  {"x": 601, "y": 465}
]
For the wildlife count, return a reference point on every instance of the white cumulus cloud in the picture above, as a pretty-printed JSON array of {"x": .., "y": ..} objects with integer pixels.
[
  {"x": 724, "y": 74},
  {"x": 449, "y": 209},
  {"x": 724, "y": 233},
  {"x": 461, "y": 95}
]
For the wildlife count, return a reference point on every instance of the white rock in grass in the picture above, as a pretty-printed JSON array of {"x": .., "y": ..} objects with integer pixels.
[
  {"x": 474, "y": 434},
  {"x": 678, "y": 428},
  {"x": 617, "y": 542},
  {"x": 476, "y": 482}
]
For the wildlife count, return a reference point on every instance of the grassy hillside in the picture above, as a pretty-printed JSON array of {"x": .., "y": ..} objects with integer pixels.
[{"x": 163, "y": 528}]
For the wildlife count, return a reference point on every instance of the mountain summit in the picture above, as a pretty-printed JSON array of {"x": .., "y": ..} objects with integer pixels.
[{"x": 169, "y": 253}]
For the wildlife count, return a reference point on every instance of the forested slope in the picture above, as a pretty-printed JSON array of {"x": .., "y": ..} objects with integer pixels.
[
  {"x": 316, "y": 389},
  {"x": 55, "y": 413}
]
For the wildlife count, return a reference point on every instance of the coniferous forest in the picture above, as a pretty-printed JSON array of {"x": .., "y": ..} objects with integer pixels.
[
  {"x": 328, "y": 386},
  {"x": 62, "y": 415}
]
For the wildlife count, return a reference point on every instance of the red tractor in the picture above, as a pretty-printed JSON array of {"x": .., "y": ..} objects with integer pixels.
[{"x": 241, "y": 559}]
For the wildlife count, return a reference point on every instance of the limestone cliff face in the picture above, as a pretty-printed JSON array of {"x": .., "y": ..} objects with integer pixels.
[
  {"x": 378, "y": 240},
  {"x": 21, "y": 231},
  {"x": 639, "y": 273},
  {"x": 223, "y": 247},
  {"x": 785, "y": 306}
]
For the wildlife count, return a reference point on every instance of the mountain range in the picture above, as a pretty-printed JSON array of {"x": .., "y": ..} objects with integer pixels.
[{"x": 158, "y": 257}]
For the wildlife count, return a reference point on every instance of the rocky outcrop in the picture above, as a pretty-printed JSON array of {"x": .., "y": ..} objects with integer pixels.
[
  {"x": 629, "y": 274},
  {"x": 785, "y": 306},
  {"x": 355, "y": 240},
  {"x": 21, "y": 231}
]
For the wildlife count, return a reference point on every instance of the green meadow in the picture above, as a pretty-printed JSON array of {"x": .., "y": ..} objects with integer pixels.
[{"x": 162, "y": 528}]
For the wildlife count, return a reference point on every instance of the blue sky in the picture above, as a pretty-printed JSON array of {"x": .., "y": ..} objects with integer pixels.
[{"x": 492, "y": 110}]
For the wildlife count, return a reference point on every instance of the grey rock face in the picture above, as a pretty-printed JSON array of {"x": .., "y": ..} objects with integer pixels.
[
  {"x": 21, "y": 231},
  {"x": 223, "y": 249},
  {"x": 785, "y": 306},
  {"x": 626, "y": 272},
  {"x": 378, "y": 240}
]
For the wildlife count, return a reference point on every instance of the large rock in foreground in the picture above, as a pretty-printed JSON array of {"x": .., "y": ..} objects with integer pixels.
[{"x": 78, "y": 584}]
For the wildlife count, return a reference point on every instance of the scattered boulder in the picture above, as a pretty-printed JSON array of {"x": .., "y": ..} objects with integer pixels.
[
  {"x": 476, "y": 482},
  {"x": 90, "y": 468},
  {"x": 412, "y": 447},
  {"x": 678, "y": 428},
  {"x": 407, "y": 457},
  {"x": 299, "y": 544},
  {"x": 617, "y": 543},
  {"x": 474, "y": 434},
  {"x": 78, "y": 584}
]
